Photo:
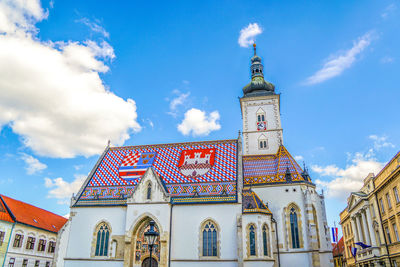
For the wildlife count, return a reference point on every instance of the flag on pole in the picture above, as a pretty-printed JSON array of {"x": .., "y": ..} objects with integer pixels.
[
  {"x": 335, "y": 234},
  {"x": 364, "y": 246}
]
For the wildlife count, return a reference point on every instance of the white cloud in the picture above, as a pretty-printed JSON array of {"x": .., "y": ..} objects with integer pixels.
[
  {"x": 179, "y": 99},
  {"x": 197, "y": 122},
  {"x": 388, "y": 10},
  {"x": 380, "y": 141},
  {"x": 94, "y": 26},
  {"x": 20, "y": 15},
  {"x": 337, "y": 64},
  {"x": 248, "y": 34},
  {"x": 51, "y": 93},
  {"x": 387, "y": 59},
  {"x": 63, "y": 190},
  {"x": 33, "y": 164},
  {"x": 298, "y": 158},
  {"x": 348, "y": 179}
]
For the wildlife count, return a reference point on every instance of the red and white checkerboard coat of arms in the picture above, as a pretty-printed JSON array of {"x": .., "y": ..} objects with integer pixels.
[{"x": 196, "y": 162}]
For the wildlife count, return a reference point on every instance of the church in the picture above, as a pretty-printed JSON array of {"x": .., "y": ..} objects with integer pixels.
[{"x": 239, "y": 202}]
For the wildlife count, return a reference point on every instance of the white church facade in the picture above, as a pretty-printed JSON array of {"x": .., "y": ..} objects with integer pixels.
[{"x": 240, "y": 202}]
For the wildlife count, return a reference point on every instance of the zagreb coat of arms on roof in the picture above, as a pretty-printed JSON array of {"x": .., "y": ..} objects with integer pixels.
[{"x": 197, "y": 162}]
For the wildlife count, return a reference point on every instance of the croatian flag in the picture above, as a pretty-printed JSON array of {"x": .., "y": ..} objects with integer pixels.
[
  {"x": 335, "y": 234},
  {"x": 136, "y": 164}
]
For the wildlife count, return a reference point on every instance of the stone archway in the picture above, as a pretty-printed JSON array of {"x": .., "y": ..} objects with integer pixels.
[
  {"x": 136, "y": 250},
  {"x": 146, "y": 262}
]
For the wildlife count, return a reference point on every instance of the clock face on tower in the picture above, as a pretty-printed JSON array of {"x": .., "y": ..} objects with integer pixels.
[{"x": 261, "y": 125}]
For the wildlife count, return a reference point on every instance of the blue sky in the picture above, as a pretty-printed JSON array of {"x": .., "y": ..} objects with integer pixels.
[{"x": 69, "y": 69}]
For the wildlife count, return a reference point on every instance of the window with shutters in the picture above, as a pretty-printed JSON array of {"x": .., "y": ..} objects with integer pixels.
[
  {"x": 18, "y": 240},
  {"x": 52, "y": 247},
  {"x": 30, "y": 243}
]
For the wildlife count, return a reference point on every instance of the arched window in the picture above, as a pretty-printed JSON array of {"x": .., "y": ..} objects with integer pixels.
[
  {"x": 210, "y": 239},
  {"x": 149, "y": 191},
  {"x": 265, "y": 240},
  {"x": 260, "y": 115},
  {"x": 294, "y": 229},
  {"x": 102, "y": 240},
  {"x": 262, "y": 142},
  {"x": 252, "y": 240}
]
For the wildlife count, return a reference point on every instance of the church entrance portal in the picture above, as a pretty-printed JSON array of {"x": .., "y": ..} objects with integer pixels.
[{"x": 146, "y": 263}]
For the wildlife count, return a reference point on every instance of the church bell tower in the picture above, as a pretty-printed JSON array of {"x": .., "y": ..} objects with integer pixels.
[{"x": 260, "y": 106}]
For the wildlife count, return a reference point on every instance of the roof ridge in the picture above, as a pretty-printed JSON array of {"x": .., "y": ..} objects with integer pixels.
[
  {"x": 173, "y": 144},
  {"x": 29, "y": 205}
]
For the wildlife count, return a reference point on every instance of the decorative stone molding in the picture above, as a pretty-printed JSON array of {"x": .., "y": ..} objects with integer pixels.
[{"x": 200, "y": 239}]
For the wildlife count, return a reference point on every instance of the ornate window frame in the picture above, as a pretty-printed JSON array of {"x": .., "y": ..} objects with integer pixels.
[
  {"x": 262, "y": 142},
  {"x": 94, "y": 239},
  {"x": 248, "y": 240},
  {"x": 149, "y": 191},
  {"x": 218, "y": 230},
  {"x": 299, "y": 225},
  {"x": 265, "y": 228}
]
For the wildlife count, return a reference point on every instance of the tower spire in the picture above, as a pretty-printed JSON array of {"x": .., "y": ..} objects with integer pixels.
[{"x": 257, "y": 86}]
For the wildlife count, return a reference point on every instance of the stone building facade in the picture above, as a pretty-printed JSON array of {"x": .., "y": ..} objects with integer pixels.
[
  {"x": 372, "y": 218},
  {"x": 238, "y": 202}
]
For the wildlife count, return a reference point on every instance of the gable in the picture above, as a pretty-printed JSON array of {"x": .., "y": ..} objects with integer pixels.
[
  {"x": 158, "y": 191},
  {"x": 191, "y": 172},
  {"x": 4, "y": 214}
]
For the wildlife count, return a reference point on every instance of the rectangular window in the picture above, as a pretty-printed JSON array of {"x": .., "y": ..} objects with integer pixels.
[
  {"x": 42, "y": 245},
  {"x": 18, "y": 241},
  {"x": 52, "y": 247},
  {"x": 388, "y": 201},
  {"x": 388, "y": 235},
  {"x": 25, "y": 263},
  {"x": 382, "y": 207},
  {"x": 373, "y": 211},
  {"x": 396, "y": 194},
  {"x": 11, "y": 262},
  {"x": 396, "y": 233},
  {"x": 2, "y": 234},
  {"x": 30, "y": 244},
  {"x": 37, "y": 263}
]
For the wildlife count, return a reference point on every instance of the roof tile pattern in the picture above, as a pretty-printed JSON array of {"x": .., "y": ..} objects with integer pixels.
[
  {"x": 107, "y": 184},
  {"x": 265, "y": 169},
  {"x": 252, "y": 203},
  {"x": 4, "y": 215},
  {"x": 34, "y": 216}
]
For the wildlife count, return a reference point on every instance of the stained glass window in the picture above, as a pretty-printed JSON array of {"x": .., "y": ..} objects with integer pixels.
[
  {"x": 252, "y": 237},
  {"x": 210, "y": 239},
  {"x": 265, "y": 243},
  {"x": 102, "y": 240},
  {"x": 294, "y": 229}
]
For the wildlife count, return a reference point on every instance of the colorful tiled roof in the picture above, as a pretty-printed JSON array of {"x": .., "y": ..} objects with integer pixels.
[
  {"x": 4, "y": 214},
  {"x": 338, "y": 248},
  {"x": 192, "y": 172},
  {"x": 252, "y": 203},
  {"x": 34, "y": 216},
  {"x": 267, "y": 169}
]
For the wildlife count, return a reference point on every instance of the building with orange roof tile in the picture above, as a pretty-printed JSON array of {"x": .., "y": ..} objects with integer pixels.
[
  {"x": 338, "y": 253},
  {"x": 30, "y": 234}
]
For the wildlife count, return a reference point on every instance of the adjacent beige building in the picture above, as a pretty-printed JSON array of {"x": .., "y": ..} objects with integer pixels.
[{"x": 372, "y": 216}]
